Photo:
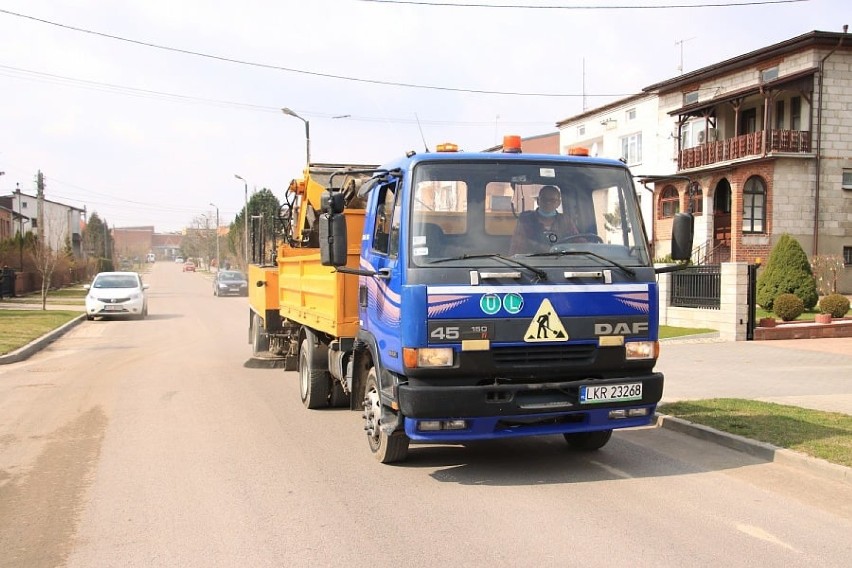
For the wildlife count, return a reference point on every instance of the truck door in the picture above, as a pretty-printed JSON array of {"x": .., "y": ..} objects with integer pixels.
[{"x": 380, "y": 302}]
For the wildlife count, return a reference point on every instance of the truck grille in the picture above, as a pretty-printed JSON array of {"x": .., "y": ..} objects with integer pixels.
[{"x": 543, "y": 356}]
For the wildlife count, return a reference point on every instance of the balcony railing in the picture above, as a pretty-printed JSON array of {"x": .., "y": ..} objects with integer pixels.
[{"x": 792, "y": 141}]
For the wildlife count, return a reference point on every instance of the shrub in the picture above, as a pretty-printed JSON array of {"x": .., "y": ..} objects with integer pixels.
[
  {"x": 835, "y": 304},
  {"x": 788, "y": 306},
  {"x": 787, "y": 272}
]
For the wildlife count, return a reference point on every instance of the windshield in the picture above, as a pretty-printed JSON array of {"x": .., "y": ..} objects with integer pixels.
[
  {"x": 115, "y": 281},
  {"x": 231, "y": 276},
  {"x": 525, "y": 210}
]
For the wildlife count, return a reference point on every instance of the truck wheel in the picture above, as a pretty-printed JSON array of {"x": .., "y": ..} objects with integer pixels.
[
  {"x": 386, "y": 449},
  {"x": 339, "y": 397},
  {"x": 259, "y": 339},
  {"x": 588, "y": 441},
  {"x": 314, "y": 383}
]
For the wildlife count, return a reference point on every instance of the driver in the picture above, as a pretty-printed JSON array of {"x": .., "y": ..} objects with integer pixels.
[{"x": 537, "y": 231}]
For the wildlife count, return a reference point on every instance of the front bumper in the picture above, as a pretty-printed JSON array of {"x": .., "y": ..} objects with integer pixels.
[
  {"x": 130, "y": 307},
  {"x": 517, "y": 399}
]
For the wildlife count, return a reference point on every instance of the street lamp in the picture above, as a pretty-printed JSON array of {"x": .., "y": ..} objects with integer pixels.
[
  {"x": 289, "y": 112},
  {"x": 218, "y": 262},
  {"x": 245, "y": 216}
]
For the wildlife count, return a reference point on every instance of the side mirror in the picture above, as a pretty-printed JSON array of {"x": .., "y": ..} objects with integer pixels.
[
  {"x": 682, "y": 234},
  {"x": 332, "y": 202},
  {"x": 332, "y": 232}
]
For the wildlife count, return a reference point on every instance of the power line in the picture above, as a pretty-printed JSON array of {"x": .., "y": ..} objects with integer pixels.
[
  {"x": 302, "y": 71},
  {"x": 591, "y": 7},
  {"x": 29, "y": 75}
]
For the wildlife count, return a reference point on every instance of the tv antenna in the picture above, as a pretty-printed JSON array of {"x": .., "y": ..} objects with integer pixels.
[{"x": 681, "y": 42}]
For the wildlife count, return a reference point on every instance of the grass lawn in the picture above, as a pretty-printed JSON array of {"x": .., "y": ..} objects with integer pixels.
[
  {"x": 667, "y": 331},
  {"x": 72, "y": 296},
  {"x": 19, "y": 327},
  {"x": 826, "y": 435}
]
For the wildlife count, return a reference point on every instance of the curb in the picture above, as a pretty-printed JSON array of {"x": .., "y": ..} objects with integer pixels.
[
  {"x": 38, "y": 344},
  {"x": 757, "y": 449}
]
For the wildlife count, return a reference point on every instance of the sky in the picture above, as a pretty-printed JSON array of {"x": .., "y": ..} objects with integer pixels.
[{"x": 144, "y": 111}]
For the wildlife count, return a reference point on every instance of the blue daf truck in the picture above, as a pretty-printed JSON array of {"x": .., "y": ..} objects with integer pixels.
[{"x": 467, "y": 296}]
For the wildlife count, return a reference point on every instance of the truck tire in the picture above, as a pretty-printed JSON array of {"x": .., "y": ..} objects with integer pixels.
[
  {"x": 339, "y": 397},
  {"x": 314, "y": 384},
  {"x": 259, "y": 339},
  {"x": 386, "y": 449},
  {"x": 588, "y": 441}
]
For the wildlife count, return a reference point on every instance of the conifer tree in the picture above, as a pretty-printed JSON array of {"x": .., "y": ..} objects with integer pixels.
[{"x": 787, "y": 271}]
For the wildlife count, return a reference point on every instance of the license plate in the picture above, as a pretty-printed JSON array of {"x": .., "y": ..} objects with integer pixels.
[
  {"x": 112, "y": 308},
  {"x": 596, "y": 394}
]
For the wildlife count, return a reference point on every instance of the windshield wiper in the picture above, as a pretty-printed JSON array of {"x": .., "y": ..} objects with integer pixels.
[
  {"x": 542, "y": 275},
  {"x": 626, "y": 269}
]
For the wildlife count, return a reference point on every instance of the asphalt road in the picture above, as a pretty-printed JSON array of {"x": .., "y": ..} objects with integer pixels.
[{"x": 148, "y": 443}]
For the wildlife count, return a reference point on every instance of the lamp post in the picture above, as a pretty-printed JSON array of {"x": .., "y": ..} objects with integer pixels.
[
  {"x": 218, "y": 261},
  {"x": 245, "y": 215},
  {"x": 289, "y": 112}
]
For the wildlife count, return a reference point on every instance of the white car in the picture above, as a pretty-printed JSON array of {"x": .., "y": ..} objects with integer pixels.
[{"x": 116, "y": 294}]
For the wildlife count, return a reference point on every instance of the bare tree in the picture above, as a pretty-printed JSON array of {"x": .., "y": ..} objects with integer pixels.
[{"x": 47, "y": 253}]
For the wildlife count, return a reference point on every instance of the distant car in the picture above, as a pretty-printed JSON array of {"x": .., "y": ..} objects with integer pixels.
[
  {"x": 230, "y": 283},
  {"x": 116, "y": 294},
  {"x": 189, "y": 266},
  {"x": 179, "y": 260}
]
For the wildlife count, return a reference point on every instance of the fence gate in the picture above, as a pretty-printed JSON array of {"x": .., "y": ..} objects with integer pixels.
[{"x": 697, "y": 287}]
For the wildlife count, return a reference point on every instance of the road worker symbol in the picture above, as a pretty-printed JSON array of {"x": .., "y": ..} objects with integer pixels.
[{"x": 545, "y": 325}]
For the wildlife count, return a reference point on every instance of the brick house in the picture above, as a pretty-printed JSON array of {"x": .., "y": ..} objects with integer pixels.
[
  {"x": 133, "y": 242},
  {"x": 767, "y": 136}
]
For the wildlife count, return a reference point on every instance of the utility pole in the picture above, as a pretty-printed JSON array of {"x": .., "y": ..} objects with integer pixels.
[
  {"x": 40, "y": 207},
  {"x": 218, "y": 260}
]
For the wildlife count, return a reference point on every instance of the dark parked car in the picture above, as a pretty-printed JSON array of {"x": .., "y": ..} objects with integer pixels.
[{"x": 230, "y": 283}]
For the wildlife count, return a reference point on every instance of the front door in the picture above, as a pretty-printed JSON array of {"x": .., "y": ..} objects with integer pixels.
[{"x": 722, "y": 217}]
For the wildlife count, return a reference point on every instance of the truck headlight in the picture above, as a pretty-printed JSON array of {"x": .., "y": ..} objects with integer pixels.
[
  {"x": 637, "y": 350},
  {"x": 426, "y": 357}
]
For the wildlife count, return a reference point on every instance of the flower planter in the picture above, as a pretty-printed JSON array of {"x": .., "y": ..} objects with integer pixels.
[{"x": 822, "y": 318}]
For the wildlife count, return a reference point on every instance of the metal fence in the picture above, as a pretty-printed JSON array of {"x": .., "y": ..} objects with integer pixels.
[{"x": 697, "y": 287}]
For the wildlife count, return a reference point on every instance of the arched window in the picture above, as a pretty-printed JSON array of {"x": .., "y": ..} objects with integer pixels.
[
  {"x": 754, "y": 205},
  {"x": 669, "y": 202}
]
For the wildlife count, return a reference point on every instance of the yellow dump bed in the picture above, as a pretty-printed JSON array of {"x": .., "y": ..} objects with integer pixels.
[{"x": 318, "y": 296}]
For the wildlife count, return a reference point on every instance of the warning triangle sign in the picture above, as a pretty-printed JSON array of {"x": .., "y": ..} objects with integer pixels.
[{"x": 545, "y": 325}]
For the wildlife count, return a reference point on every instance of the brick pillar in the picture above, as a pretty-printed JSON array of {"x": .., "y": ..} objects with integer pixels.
[{"x": 733, "y": 306}]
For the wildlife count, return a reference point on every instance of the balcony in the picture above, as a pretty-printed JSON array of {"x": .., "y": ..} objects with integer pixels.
[{"x": 745, "y": 146}]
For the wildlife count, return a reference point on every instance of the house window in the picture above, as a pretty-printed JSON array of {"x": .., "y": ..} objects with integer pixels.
[
  {"x": 631, "y": 149},
  {"x": 691, "y": 97},
  {"x": 769, "y": 74},
  {"x": 754, "y": 205},
  {"x": 581, "y": 130},
  {"x": 796, "y": 113},
  {"x": 847, "y": 256},
  {"x": 669, "y": 202},
  {"x": 779, "y": 115},
  {"x": 847, "y": 179},
  {"x": 697, "y": 201},
  {"x": 631, "y": 114}
]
